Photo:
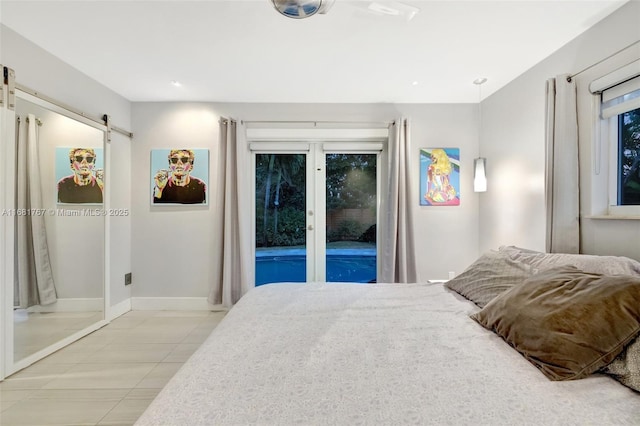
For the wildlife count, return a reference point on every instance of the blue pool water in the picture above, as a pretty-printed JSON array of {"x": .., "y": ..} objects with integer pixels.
[{"x": 343, "y": 265}]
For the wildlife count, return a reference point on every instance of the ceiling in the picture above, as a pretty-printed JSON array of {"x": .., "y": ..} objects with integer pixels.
[{"x": 244, "y": 51}]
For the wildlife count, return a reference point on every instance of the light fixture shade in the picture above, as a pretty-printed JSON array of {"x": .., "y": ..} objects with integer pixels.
[
  {"x": 299, "y": 9},
  {"x": 479, "y": 175}
]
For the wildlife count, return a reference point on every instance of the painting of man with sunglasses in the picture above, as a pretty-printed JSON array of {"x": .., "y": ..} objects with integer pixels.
[
  {"x": 84, "y": 186},
  {"x": 176, "y": 184}
]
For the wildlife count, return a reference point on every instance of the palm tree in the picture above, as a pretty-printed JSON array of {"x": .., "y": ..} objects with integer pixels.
[
  {"x": 288, "y": 167},
  {"x": 285, "y": 169}
]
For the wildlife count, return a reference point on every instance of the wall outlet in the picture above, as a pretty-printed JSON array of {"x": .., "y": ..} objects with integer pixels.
[
  {"x": 127, "y": 278},
  {"x": 452, "y": 275}
]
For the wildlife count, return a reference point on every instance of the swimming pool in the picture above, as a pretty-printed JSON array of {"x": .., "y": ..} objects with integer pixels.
[{"x": 343, "y": 265}]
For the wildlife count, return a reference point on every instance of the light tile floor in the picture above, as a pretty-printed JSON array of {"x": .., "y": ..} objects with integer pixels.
[
  {"x": 108, "y": 377},
  {"x": 37, "y": 330}
]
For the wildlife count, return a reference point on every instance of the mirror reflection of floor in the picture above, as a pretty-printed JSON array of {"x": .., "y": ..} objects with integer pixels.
[{"x": 34, "y": 331}]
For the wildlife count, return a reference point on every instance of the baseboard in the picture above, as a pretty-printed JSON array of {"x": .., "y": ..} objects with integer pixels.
[
  {"x": 173, "y": 304},
  {"x": 119, "y": 309},
  {"x": 71, "y": 305},
  {"x": 134, "y": 303}
]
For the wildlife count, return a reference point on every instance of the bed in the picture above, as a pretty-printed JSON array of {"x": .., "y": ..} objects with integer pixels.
[{"x": 390, "y": 354}]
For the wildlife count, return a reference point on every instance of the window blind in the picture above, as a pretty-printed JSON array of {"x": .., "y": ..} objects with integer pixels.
[
  {"x": 619, "y": 90},
  {"x": 619, "y": 99}
]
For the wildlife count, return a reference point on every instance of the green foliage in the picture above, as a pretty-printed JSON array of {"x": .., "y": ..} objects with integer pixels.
[
  {"x": 280, "y": 200},
  {"x": 630, "y": 157},
  {"x": 290, "y": 232},
  {"x": 351, "y": 181},
  {"x": 630, "y": 138},
  {"x": 348, "y": 230},
  {"x": 280, "y": 195},
  {"x": 291, "y": 228}
]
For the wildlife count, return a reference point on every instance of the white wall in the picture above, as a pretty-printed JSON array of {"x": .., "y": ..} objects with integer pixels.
[
  {"x": 174, "y": 249},
  {"x": 39, "y": 70},
  {"x": 172, "y": 246},
  {"x": 170, "y": 250},
  {"x": 513, "y": 140}
]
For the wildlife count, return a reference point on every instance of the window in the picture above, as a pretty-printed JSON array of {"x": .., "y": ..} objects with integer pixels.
[
  {"x": 620, "y": 115},
  {"x": 628, "y": 167}
]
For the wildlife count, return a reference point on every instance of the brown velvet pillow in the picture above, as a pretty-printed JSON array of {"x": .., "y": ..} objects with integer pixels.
[
  {"x": 490, "y": 275},
  {"x": 566, "y": 322}
]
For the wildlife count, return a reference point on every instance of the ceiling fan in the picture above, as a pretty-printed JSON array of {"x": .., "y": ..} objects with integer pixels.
[{"x": 299, "y": 9}]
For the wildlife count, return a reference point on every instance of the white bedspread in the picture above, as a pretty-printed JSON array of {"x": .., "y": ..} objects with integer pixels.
[{"x": 378, "y": 354}]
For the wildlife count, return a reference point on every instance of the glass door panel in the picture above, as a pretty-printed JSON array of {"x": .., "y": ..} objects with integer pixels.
[
  {"x": 280, "y": 221},
  {"x": 351, "y": 187}
]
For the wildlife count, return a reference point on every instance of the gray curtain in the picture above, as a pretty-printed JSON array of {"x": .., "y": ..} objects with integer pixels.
[
  {"x": 34, "y": 284},
  {"x": 398, "y": 262},
  {"x": 235, "y": 269},
  {"x": 562, "y": 186}
]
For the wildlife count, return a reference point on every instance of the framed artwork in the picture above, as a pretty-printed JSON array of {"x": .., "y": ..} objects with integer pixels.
[
  {"x": 79, "y": 175},
  {"x": 440, "y": 176},
  {"x": 179, "y": 176}
]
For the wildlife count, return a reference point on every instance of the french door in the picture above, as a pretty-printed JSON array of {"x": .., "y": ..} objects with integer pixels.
[{"x": 316, "y": 212}]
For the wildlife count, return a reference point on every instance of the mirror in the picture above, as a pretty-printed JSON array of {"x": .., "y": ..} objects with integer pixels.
[{"x": 59, "y": 227}]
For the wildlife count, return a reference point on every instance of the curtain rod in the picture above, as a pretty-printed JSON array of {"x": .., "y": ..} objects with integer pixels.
[
  {"x": 601, "y": 61},
  {"x": 316, "y": 122},
  {"x": 102, "y": 120}
]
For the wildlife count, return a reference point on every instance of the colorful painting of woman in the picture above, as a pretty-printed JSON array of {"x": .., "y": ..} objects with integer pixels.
[{"x": 440, "y": 177}]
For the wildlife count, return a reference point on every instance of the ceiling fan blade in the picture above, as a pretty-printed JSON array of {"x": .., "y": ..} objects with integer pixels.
[{"x": 384, "y": 8}]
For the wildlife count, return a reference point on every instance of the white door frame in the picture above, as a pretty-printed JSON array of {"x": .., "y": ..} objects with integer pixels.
[
  {"x": 314, "y": 143},
  {"x": 8, "y": 365}
]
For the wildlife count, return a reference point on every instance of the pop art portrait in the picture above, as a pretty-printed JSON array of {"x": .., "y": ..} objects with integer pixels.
[
  {"x": 79, "y": 174},
  {"x": 179, "y": 176}
]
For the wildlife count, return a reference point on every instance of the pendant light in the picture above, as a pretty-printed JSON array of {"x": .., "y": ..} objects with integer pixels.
[{"x": 480, "y": 163}]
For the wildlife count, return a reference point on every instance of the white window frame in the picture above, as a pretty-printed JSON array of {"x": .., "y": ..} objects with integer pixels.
[
  {"x": 610, "y": 126},
  {"x": 615, "y": 84},
  {"x": 314, "y": 143}
]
